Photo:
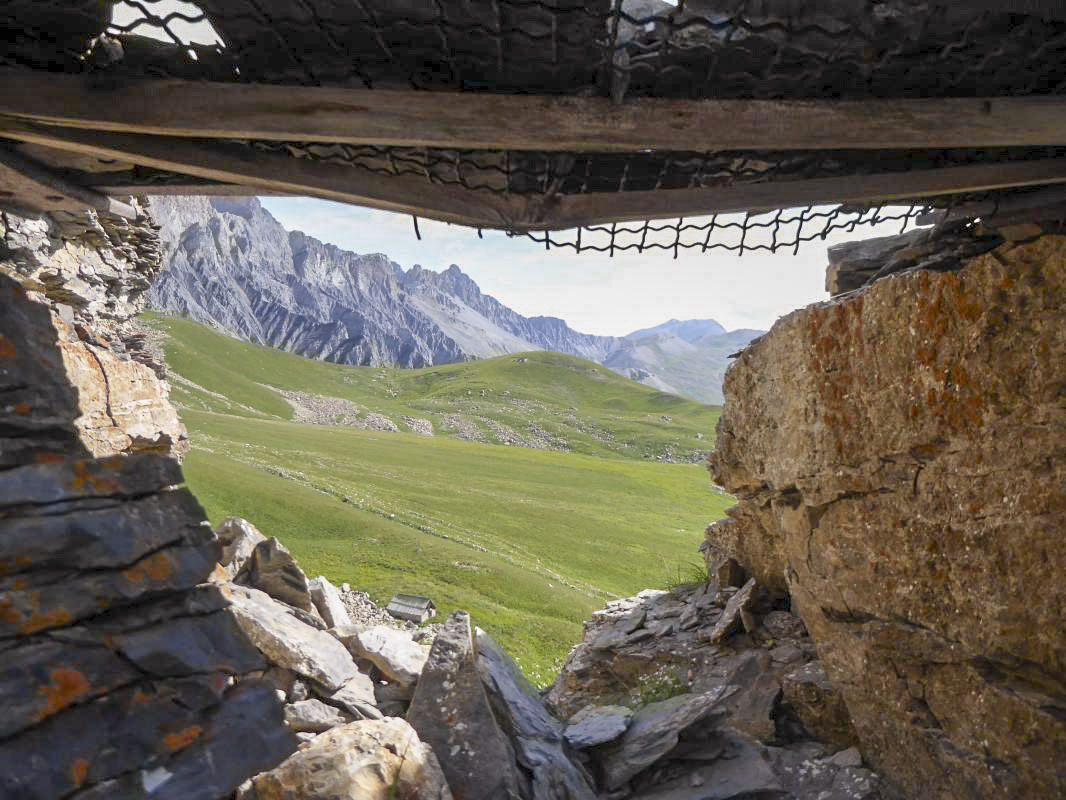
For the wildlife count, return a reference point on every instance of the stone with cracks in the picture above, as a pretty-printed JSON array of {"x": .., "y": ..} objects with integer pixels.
[
  {"x": 451, "y": 712},
  {"x": 287, "y": 642},
  {"x": 594, "y": 725},
  {"x": 364, "y": 760},
  {"x": 735, "y": 768},
  {"x": 313, "y": 716},
  {"x": 357, "y": 698},
  {"x": 817, "y": 705},
  {"x": 654, "y": 731},
  {"x": 535, "y": 734},
  {"x": 239, "y": 538},
  {"x": 897, "y": 456},
  {"x": 732, "y": 616},
  {"x": 389, "y": 649},
  {"x": 328, "y": 602},
  {"x": 272, "y": 569}
]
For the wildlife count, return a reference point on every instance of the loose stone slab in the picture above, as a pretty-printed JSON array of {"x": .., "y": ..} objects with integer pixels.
[
  {"x": 731, "y": 618},
  {"x": 287, "y": 642},
  {"x": 390, "y": 649},
  {"x": 313, "y": 716},
  {"x": 328, "y": 602},
  {"x": 654, "y": 731},
  {"x": 594, "y": 725}
]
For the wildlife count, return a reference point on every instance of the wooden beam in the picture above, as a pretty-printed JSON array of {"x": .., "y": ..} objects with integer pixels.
[
  {"x": 1031, "y": 201},
  {"x": 123, "y": 183},
  {"x": 522, "y": 122},
  {"x": 29, "y": 184},
  {"x": 258, "y": 170},
  {"x": 569, "y": 211}
]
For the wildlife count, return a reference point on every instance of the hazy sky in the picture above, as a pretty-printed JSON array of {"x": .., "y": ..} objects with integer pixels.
[{"x": 592, "y": 292}]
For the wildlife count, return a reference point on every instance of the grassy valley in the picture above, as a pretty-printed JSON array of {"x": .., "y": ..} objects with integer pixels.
[{"x": 530, "y": 539}]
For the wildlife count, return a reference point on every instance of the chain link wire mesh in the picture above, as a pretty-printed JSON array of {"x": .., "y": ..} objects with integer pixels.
[{"x": 764, "y": 49}]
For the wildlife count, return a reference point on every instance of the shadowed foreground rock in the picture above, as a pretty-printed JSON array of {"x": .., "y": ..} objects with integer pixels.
[
  {"x": 897, "y": 456},
  {"x": 116, "y": 681}
]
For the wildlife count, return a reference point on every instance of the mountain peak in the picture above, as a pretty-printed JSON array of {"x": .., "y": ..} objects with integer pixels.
[{"x": 690, "y": 329}]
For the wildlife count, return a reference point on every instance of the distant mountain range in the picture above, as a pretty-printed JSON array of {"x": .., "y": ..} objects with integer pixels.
[{"x": 231, "y": 264}]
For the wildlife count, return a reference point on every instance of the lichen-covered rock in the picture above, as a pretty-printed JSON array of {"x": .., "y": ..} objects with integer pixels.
[
  {"x": 365, "y": 760},
  {"x": 451, "y": 712},
  {"x": 897, "y": 457}
]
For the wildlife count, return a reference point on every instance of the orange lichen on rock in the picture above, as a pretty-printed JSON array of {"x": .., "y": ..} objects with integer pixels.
[
  {"x": 183, "y": 738},
  {"x": 79, "y": 771},
  {"x": 84, "y": 478},
  {"x": 7, "y": 348},
  {"x": 67, "y": 687},
  {"x": 156, "y": 568},
  {"x": 25, "y": 621}
]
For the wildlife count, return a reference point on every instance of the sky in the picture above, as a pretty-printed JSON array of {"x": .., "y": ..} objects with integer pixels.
[{"x": 593, "y": 292}]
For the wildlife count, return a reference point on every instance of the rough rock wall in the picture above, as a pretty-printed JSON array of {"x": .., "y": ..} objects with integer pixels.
[
  {"x": 898, "y": 459},
  {"x": 75, "y": 368},
  {"x": 117, "y": 661}
]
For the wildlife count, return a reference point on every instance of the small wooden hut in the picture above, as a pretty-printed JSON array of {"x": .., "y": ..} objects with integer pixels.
[{"x": 412, "y": 607}]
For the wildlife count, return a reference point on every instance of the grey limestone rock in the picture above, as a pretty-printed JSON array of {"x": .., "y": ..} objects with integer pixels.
[
  {"x": 239, "y": 538},
  {"x": 451, "y": 712},
  {"x": 288, "y": 642},
  {"x": 313, "y": 716},
  {"x": 390, "y": 649},
  {"x": 328, "y": 602},
  {"x": 595, "y": 725},
  {"x": 536, "y": 735}
]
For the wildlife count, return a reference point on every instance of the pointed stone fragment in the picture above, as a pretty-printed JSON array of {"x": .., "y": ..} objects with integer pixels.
[
  {"x": 328, "y": 602},
  {"x": 451, "y": 712},
  {"x": 272, "y": 569}
]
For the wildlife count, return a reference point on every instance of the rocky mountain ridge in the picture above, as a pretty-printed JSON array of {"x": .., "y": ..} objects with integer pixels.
[{"x": 230, "y": 263}]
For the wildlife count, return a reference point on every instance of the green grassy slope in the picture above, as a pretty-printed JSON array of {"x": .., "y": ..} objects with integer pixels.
[
  {"x": 583, "y": 406},
  {"x": 529, "y": 541}
]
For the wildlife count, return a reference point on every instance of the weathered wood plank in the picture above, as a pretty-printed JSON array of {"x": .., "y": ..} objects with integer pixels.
[
  {"x": 265, "y": 171},
  {"x": 570, "y": 210},
  {"x": 1031, "y": 201},
  {"x": 523, "y": 122},
  {"x": 278, "y": 172},
  {"x": 28, "y": 184}
]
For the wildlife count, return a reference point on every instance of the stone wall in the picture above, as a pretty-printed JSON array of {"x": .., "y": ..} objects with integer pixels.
[
  {"x": 898, "y": 460},
  {"x": 119, "y": 662},
  {"x": 76, "y": 372}
]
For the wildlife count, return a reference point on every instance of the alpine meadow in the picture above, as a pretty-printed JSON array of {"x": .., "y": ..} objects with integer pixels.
[{"x": 528, "y": 489}]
